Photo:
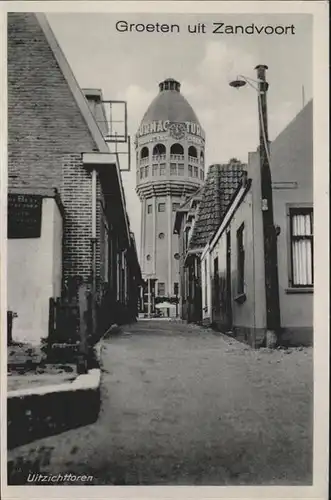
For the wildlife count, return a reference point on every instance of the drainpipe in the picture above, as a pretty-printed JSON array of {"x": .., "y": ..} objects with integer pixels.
[{"x": 94, "y": 244}]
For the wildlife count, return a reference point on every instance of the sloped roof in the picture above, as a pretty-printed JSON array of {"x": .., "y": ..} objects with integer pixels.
[
  {"x": 184, "y": 208},
  {"x": 221, "y": 183}
]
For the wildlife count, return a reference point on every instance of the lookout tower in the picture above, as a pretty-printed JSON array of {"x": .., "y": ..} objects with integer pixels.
[{"x": 170, "y": 159}]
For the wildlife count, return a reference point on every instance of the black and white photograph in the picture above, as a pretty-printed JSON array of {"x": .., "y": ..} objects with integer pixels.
[{"x": 161, "y": 251}]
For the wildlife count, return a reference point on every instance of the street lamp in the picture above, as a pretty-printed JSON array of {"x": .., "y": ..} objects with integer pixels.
[{"x": 269, "y": 230}]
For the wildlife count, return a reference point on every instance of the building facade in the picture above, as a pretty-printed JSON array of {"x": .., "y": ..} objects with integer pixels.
[
  {"x": 170, "y": 152},
  {"x": 233, "y": 275},
  {"x": 195, "y": 223},
  {"x": 67, "y": 219}
]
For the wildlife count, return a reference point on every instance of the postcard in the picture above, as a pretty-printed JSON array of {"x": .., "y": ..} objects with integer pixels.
[{"x": 165, "y": 249}]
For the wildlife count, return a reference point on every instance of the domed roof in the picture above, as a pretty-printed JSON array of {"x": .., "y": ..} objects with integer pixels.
[{"x": 170, "y": 105}]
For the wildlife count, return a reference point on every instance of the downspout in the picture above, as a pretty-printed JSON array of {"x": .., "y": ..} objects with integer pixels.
[{"x": 94, "y": 244}]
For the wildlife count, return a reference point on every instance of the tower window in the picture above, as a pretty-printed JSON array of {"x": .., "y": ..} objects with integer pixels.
[
  {"x": 196, "y": 172},
  {"x": 154, "y": 170},
  {"x": 201, "y": 174},
  {"x": 173, "y": 169},
  {"x": 149, "y": 209},
  {"x": 146, "y": 171},
  {"x": 190, "y": 170},
  {"x": 141, "y": 173},
  {"x": 175, "y": 206},
  {"x": 192, "y": 151},
  {"x": 144, "y": 153},
  {"x": 181, "y": 169},
  {"x": 176, "y": 149},
  {"x": 161, "y": 289},
  {"x": 161, "y": 236},
  {"x": 148, "y": 257},
  {"x": 162, "y": 168},
  {"x": 161, "y": 207},
  {"x": 159, "y": 149},
  {"x": 176, "y": 256}
]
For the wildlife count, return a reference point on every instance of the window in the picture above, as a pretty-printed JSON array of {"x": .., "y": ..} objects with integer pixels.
[
  {"x": 175, "y": 288},
  {"x": 301, "y": 227},
  {"x": 161, "y": 236},
  {"x": 206, "y": 285},
  {"x": 141, "y": 173},
  {"x": 144, "y": 152},
  {"x": 154, "y": 170},
  {"x": 175, "y": 206},
  {"x": 149, "y": 209},
  {"x": 240, "y": 260},
  {"x": 161, "y": 207},
  {"x": 148, "y": 257},
  {"x": 192, "y": 151},
  {"x": 177, "y": 149},
  {"x": 176, "y": 256},
  {"x": 181, "y": 169},
  {"x": 196, "y": 172},
  {"x": 201, "y": 175},
  {"x": 162, "y": 168},
  {"x": 173, "y": 169},
  {"x": 159, "y": 149},
  {"x": 146, "y": 171},
  {"x": 161, "y": 289},
  {"x": 190, "y": 170}
]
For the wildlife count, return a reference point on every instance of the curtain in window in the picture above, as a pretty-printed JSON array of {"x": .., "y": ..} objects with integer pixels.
[{"x": 302, "y": 250}]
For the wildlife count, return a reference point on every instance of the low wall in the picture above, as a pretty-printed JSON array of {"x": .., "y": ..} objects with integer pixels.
[{"x": 37, "y": 416}]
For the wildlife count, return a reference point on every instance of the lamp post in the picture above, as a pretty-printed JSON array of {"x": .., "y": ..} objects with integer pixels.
[{"x": 269, "y": 231}]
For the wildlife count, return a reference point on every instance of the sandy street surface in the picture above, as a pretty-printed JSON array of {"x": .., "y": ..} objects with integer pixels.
[{"x": 182, "y": 405}]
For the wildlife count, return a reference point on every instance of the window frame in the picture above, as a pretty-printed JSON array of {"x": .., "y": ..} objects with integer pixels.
[
  {"x": 240, "y": 285},
  {"x": 299, "y": 209},
  {"x": 158, "y": 207},
  {"x": 158, "y": 289}
]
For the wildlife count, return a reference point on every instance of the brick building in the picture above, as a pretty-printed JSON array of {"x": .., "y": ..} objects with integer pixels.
[{"x": 67, "y": 219}]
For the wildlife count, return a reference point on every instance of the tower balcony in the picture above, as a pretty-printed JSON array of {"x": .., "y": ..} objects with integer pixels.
[
  {"x": 144, "y": 161},
  {"x": 158, "y": 158},
  {"x": 177, "y": 157},
  {"x": 193, "y": 159}
]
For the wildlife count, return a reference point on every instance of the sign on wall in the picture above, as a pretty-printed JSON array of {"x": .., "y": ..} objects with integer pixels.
[{"x": 24, "y": 215}]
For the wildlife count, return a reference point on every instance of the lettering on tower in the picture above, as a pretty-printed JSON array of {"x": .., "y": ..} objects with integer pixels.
[{"x": 176, "y": 130}]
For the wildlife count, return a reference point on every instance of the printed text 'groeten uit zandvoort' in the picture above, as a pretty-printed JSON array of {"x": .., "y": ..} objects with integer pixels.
[{"x": 217, "y": 28}]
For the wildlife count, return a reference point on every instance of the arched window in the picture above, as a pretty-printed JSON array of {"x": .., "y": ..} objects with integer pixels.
[
  {"x": 159, "y": 149},
  {"x": 176, "y": 149},
  {"x": 202, "y": 156},
  {"x": 192, "y": 151},
  {"x": 144, "y": 153}
]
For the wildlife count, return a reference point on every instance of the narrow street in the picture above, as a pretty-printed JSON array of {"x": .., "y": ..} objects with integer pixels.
[{"x": 182, "y": 405}]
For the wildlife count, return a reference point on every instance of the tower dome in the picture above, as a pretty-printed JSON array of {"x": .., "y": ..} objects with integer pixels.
[{"x": 170, "y": 105}]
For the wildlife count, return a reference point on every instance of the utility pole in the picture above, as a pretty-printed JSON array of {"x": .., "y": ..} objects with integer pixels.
[{"x": 269, "y": 232}]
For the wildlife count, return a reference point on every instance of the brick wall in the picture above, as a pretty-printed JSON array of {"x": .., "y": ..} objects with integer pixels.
[
  {"x": 47, "y": 135},
  {"x": 44, "y": 121}
]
